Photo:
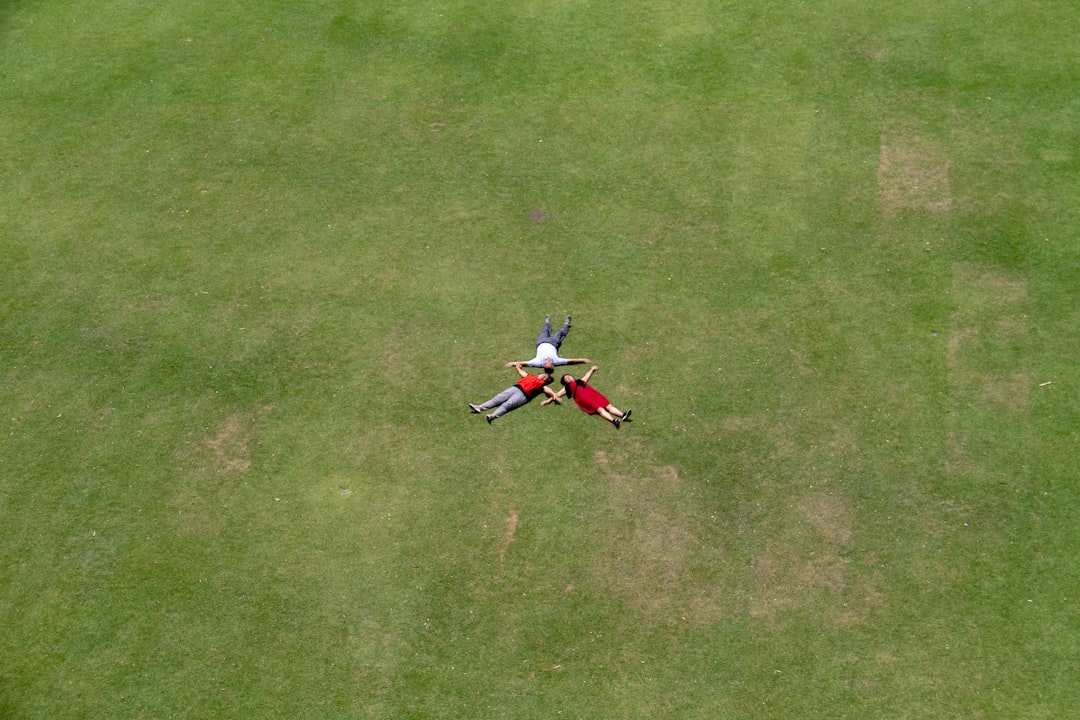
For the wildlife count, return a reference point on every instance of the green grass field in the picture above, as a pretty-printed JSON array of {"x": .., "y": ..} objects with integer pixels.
[{"x": 257, "y": 257}]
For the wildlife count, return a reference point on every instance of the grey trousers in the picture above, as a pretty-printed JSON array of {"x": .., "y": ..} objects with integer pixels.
[{"x": 509, "y": 399}]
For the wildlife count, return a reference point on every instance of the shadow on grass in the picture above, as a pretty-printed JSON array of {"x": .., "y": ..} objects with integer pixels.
[{"x": 7, "y": 9}]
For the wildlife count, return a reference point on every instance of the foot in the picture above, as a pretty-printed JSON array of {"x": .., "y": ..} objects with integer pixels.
[
  {"x": 476, "y": 408},
  {"x": 489, "y": 418},
  {"x": 615, "y": 422},
  {"x": 626, "y": 415},
  {"x": 567, "y": 321}
]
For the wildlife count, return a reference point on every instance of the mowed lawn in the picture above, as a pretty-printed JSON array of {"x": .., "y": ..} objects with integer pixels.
[{"x": 256, "y": 258}]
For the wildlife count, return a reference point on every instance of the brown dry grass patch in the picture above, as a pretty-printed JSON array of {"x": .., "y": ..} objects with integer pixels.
[
  {"x": 989, "y": 317},
  {"x": 207, "y": 468},
  {"x": 508, "y": 536},
  {"x": 799, "y": 561},
  {"x": 875, "y": 48},
  {"x": 674, "y": 557},
  {"x": 912, "y": 173},
  {"x": 230, "y": 449},
  {"x": 978, "y": 291},
  {"x": 649, "y": 561}
]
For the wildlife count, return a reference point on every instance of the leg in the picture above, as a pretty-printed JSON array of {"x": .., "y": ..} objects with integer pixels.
[
  {"x": 558, "y": 337},
  {"x": 616, "y": 411},
  {"x": 545, "y": 334},
  {"x": 498, "y": 399},
  {"x": 515, "y": 400},
  {"x": 603, "y": 412}
]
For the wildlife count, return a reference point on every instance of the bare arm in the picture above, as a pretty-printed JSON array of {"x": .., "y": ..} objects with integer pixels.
[
  {"x": 517, "y": 366},
  {"x": 588, "y": 375},
  {"x": 578, "y": 361},
  {"x": 554, "y": 395}
]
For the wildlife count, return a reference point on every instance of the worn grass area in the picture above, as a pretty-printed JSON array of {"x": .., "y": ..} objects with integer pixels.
[{"x": 256, "y": 261}]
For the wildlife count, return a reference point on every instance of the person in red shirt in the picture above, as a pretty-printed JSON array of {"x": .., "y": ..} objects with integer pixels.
[
  {"x": 518, "y": 394},
  {"x": 588, "y": 398}
]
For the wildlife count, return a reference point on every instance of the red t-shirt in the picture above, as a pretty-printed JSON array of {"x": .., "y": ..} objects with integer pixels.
[{"x": 531, "y": 385}]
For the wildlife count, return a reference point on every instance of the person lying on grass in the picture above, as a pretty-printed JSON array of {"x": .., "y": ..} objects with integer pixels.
[
  {"x": 513, "y": 397},
  {"x": 547, "y": 349},
  {"x": 588, "y": 398}
]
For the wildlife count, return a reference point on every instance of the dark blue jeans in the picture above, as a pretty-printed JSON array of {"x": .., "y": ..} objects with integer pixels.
[{"x": 557, "y": 338}]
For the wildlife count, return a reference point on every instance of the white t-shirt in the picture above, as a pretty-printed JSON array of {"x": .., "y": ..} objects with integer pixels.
[{"x": 545, "y": 351}]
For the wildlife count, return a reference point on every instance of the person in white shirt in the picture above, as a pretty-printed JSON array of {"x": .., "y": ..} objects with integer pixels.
[{"x": 547, "y": 349}]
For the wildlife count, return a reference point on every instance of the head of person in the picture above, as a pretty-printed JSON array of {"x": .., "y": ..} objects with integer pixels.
[
  {"x": 546, "y": 377},
  {"x": 549, "y": 366},
  {"x": 566, "y": 379}
]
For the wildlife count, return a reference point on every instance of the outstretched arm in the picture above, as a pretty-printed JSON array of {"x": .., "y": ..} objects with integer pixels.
[
  {"x": 578, "y": 361},
  {"x": 517, "y": 362},
  {"x": 517, "y": 366},
  {"x": 588, "y": 375},
  {"x": 554, "y": 395}
]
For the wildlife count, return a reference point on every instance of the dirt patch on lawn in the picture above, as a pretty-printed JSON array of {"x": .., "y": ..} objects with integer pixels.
[
  {"x": 799, "y": 561},
  {"x": 912, "y": 173},
  {"x": 508, "y": 536},
  {"x": 875, "y": 47},
  {"x": 986, "y": 365},
  {"x": 227, "y": 450},
  {"x": 207, "y": 469},
  {"x": 650, "y": 549},
  {"x": 677, "y": 553},
  {"x": 978, "y": 290},
  {"x": 230, "y": 447},
  {"x": 1011, "y": 392}
]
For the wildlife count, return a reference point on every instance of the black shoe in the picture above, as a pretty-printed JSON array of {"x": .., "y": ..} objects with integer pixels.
[
  {"x": 626, "y": 415},
  {"x": 567, "y": 321},
  {"x": 616, "y": 423},
  {"x": 476, "y": 408}
]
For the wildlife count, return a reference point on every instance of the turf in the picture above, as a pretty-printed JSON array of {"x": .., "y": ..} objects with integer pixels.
[{"x": 257, "y": 257}]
